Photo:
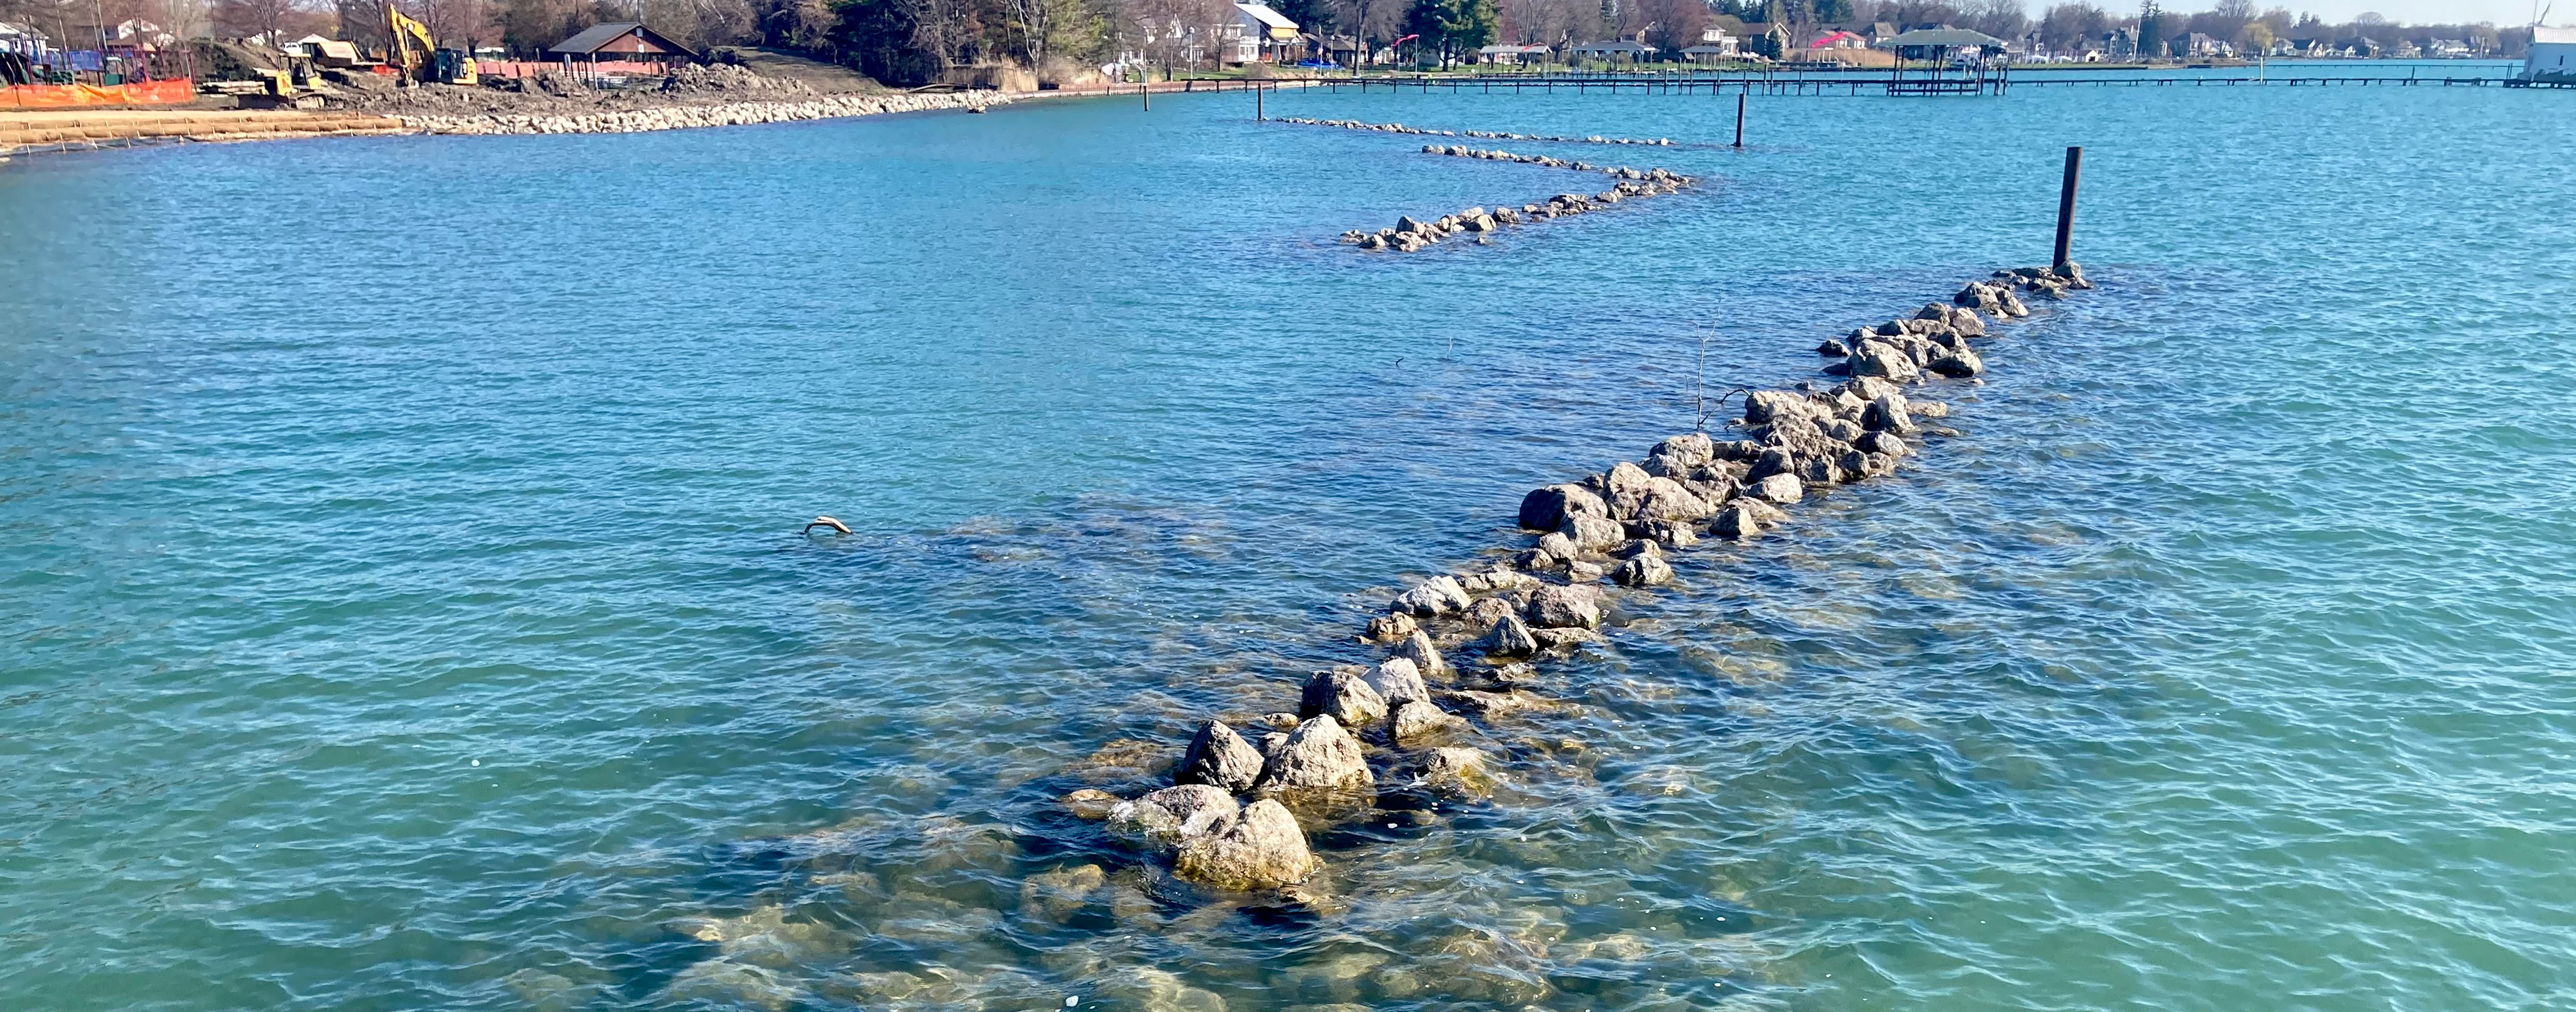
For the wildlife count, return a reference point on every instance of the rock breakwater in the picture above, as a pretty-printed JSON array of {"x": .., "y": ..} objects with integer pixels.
[
  {"x": 1428, "y": 724},
  {"x": 1399, "y": 128},
  {"x": 682, "y": 117},
  {"x": 1410, "y": 234}
]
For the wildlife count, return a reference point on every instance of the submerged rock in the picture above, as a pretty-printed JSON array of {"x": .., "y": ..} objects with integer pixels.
[
  {"x": 1454, "y": 772},
  {"x": 1418, "y": 721},
  {"x": 1260, "y": 849},
  {"x": 1094, "y": 804},
  {"x": 1220, "y": 758},
  {"x": 1166, "y": 817},
  {"x": 1318, "y": 755}
]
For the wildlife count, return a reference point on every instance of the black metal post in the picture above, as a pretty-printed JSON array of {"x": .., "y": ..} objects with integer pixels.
[
  {"x": 1257, "y": 114},
  {"x": 2066, "y": 208},
  {"x": 1739, "y": 119}
]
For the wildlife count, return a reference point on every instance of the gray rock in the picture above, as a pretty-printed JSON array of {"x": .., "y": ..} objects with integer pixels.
[
  {"x": 1418, "y": 721},
  {"x": 1460, "y": 773},
  {"x": 1342, "y": 695},
  {"x": 1820, "y": 470},
  {"x": 1782, "y": 489},
  {"x": 1887, "y": 414},
  {"x": 1563, "y": 639},
  {"x": 1318, "y": 755},
  {"x": 1884, "y": 444},
  {"x": 1399, "y": 679},
  {"x": 1959, "y": 364},
  {"x": 1260, "y": 849},
  {"x": 1166, "y": 817},
  {"x": 1774, "y": 460},
  {"x": 1585, "y": 572},
  {"x": 1691, "y": 449},
  {"x": 1565, "y": 607},
  {"x": 1547, "y": 508},
  {"x": 1834, "y": 349},
  {"x": 1439, "y": 595},
  {"x": 1879, "y": 359},
  {"x": 1738, "y": 521},
  {"x": 1927, "y": 409},
  {"x": 1643, "y": 571},
  {"x": 1508, "y": 637},
  {"x": 1762, "y": 406},
  {"x": 1489, "y": 610},
  {"x": 1588, "y": 532},
  {"x": 1677, "y": 533},
  {"x": 1425, "y": 658},
  {"x": 1391, "y": 628},
  {"x": 1219, "y": 758}
]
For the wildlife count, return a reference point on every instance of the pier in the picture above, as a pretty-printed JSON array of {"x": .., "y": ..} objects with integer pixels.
[{"x": 1873, "y": 82}]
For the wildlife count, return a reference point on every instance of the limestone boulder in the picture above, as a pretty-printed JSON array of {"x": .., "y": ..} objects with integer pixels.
[
  {"x": 1397, "y": 680},
  {"x": 1424, "y": 657},
  {"x": 1547, "y": 508},
  {"x": 1220, "y": 758},
  {"x": 1508, "y": 637},
  {"x": 1564, "y": 607},
  {"x": 1260, "y": 849},
  {"x": 1439, "y": 595},
  {"x": 1959, "y": 364},
  {"x": 1318, "y": 755},
  {"x": 1780, "y": 489},
  {"x": 1643, "y": 571},
  {"x": 1419, "y": 721},
  {"x": 1887, "y": 414},
  {"x": 1345, "y": 696},
  {"x": 1166, "y": 817},
  {"x": 1592, "y": 533},
  {"x": 1392, "y": 628}
]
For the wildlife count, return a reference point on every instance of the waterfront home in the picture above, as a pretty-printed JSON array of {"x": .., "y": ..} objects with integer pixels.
[
  {"x": 1619, "y": 51},
  {"x": 2552, "y": 56},
  {"x": 2447, "y": 49},
  {"x": 1258, "y": 35}
]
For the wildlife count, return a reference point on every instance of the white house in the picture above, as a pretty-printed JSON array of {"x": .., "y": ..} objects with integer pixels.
[
  {"x": 2553, "y": 55},
  {"x": 1260, "y": 34}
]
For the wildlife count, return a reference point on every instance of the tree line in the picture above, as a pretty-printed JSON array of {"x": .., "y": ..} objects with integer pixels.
[{"x": 914, "y": 41}]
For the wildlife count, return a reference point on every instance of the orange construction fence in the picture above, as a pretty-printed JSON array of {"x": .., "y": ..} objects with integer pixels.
[{"x": 58, "y": 96}]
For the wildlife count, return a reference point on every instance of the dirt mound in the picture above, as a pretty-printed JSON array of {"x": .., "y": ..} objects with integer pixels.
[
  {"x": 231, "y": 61},
  {"x": 785, "y": 65}
]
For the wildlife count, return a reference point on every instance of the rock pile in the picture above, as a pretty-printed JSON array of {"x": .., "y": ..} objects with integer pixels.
[
  {"x": 1496, "y": 155},
  {"x": 1399, "y": 128},
  {"x": 680, "y": 117},
  {"x": 1458, "y": 648},
  {"x": 1410, "y": 234}
]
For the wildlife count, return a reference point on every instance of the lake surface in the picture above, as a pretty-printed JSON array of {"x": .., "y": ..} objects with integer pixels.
[{"x": 402, "y": 604}]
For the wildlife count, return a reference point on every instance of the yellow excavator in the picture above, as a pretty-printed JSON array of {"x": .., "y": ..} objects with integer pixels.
[{"x": 418, "y": 56}]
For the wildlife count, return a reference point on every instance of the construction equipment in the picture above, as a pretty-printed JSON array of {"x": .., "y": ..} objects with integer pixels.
[{"x": 418, "y": 57}]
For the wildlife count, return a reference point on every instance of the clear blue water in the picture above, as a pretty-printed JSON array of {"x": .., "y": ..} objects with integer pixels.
[{"x": 403, "y": 605}]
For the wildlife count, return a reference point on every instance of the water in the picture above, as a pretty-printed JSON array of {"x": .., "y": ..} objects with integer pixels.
[{"x": 403, "y": 606}]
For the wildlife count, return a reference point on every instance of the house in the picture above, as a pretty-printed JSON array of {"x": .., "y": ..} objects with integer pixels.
[
  {"x": 1258, "y": 35},
  {"x": 2406, "y": 49},
  {"x": 2447, "y": 49},
  {"x": 1510, "y": 52},
  {"x": 1620, "y": 51},
  {"x": 1840, "y": 39},
  {"x": 2552, "y": 57},
  {"x": 621, "y": 40},
  {"x": 2364, "y": 48}
]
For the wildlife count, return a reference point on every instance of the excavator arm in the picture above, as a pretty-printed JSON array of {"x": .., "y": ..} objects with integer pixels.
[{"x": 412, "y": 44}]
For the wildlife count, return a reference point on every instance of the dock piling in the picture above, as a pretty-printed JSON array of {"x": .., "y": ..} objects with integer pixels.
[
  {"x": 2066, "y": 208},
  {"x": 1739, "y": 120}
]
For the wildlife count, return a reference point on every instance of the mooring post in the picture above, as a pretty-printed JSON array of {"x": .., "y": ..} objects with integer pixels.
[
  {"x": 1257, "y": 114},
  {"x": 1739, "y": 119},
  {"x": 2066, "y": 208}
]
